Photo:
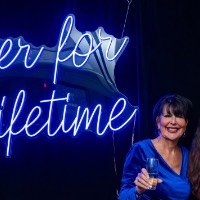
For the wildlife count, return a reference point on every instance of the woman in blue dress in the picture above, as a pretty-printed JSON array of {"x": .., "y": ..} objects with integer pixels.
[{"x": 171, "y": 115}]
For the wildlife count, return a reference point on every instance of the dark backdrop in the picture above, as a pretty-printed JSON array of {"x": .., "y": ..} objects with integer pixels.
[{"x": 161, "y": 57}]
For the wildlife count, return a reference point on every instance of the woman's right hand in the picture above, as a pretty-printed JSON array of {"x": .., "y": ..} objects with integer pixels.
[{"x": 142, "y": 181}]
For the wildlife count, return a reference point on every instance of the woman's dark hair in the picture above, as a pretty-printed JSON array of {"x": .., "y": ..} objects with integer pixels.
[
  {"x": 180, "y": 106},
  {"x": 194, "y": 164}
]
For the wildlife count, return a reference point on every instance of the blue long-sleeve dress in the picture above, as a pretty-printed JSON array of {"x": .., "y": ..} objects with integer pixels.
[{"x": 173, "y": 187}]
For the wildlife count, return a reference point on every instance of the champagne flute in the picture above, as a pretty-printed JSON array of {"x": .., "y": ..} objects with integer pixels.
[{"x": 152, "y": 165}]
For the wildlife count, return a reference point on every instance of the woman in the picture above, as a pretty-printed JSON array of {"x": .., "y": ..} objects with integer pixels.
[
  {"x": 171, "y": 115},
  {"x": 194, "y": 164}
]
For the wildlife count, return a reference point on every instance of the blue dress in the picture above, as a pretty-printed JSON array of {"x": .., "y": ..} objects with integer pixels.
[{"x": 173, "y": 187}]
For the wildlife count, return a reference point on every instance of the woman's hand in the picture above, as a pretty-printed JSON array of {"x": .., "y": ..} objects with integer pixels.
[{"x": 142, "y": 181}]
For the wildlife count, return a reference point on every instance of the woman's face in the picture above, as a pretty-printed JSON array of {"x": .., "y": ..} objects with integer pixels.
[{"x": 171, "y": 127}]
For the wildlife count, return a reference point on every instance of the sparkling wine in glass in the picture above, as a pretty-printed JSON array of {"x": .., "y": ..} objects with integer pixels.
[{"x": 152, "y": 168}]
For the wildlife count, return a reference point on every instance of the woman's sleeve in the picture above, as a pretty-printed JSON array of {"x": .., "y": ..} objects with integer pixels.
[{"x": 135, "y": 161}]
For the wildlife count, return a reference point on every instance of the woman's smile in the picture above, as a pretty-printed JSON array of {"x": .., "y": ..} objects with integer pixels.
[{"x": 172, "y": 129}]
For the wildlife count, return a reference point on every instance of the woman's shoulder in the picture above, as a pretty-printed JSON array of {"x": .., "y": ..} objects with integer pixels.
[
  {"x": 139, "y": 149},
  {"x": 142, "y": 144}
]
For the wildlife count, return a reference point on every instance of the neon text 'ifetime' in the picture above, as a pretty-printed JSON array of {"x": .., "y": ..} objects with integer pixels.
[{"x": 83, "y": 116}]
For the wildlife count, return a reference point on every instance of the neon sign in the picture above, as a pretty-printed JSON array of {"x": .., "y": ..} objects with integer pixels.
[
  {"x": 74, "y": 50},
  {"x": 87, "y": 48}
]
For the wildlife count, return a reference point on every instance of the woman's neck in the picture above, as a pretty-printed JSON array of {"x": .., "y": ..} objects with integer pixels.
[{"x": 166, "y": 143}]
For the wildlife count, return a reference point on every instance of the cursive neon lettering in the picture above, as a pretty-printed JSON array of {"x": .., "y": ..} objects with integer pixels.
[
  {"x": 36, "y": 113},
  {"x": 29, "y": 123},
  {"x": 108, "y": 50},
  {"x": 9, "y": 43},
  {"x": 27, "y": 56},
  {"x": 4, "y": 54},
  {"x": 112, "y": 118},
  {"x": 80, "y": 52},
  {"x": 15, "y": 114},
  {"x": 52, "y": 100},
  {"x": 69, "y": 23}
]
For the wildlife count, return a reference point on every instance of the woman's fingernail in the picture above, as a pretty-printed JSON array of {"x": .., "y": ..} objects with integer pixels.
[{"x": 150, "y": 185}]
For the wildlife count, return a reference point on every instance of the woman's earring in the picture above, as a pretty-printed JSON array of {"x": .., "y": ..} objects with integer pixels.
[{"x": 184, "y": 134}]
